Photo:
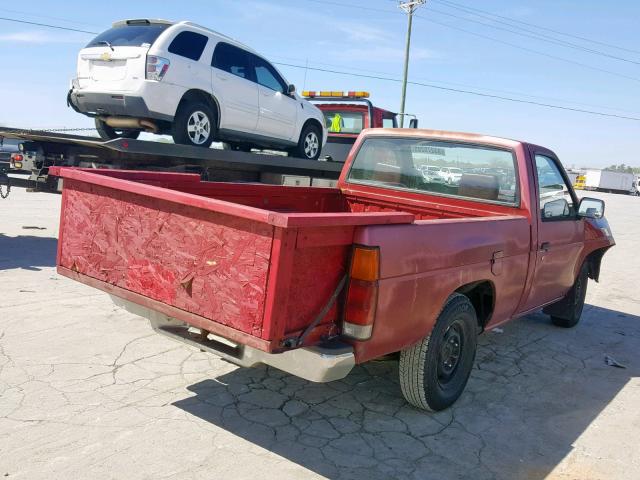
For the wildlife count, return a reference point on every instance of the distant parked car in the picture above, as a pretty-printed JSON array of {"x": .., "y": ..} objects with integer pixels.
[
  {"x": 194, "y": 84},
  {"x": 431, "y": 174},
  {"x": 451, "y": 175}
]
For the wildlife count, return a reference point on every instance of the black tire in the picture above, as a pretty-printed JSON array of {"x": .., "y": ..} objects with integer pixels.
[
  {"x": 305, "y": 149},
  {"x": 567, "y": 312},
  {"x": 109, "y": 133},
  {"x": 195, "y": 124},
  {"x": 432, "y": 377}
]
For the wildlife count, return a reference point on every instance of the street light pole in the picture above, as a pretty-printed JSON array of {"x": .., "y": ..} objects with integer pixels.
[{"x": 408, "y": 7}]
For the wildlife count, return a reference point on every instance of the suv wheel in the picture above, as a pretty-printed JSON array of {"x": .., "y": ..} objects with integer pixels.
[
  {"x": 309, "y": 145},
  {"x": 194, "y": 125},
  {"x": 109, "y": 133}
]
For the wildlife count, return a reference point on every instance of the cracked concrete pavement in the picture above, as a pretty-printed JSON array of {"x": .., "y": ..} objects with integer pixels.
[{"x": 88, "y": 391}]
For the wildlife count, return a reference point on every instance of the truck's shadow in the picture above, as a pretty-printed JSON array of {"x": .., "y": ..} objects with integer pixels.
[
  {"x": 27, "y": 252},
  {"x": 534, "y": 391}
]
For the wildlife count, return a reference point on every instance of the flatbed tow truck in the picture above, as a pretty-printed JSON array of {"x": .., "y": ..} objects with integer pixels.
[
  {"x": 42, "y": 150},
  {"x": 346, "y": 115}
]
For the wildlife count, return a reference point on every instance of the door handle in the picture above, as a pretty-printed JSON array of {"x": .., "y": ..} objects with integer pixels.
[
  {"x": 222, "y": 77},
  {"x": 544, "y": 246}
]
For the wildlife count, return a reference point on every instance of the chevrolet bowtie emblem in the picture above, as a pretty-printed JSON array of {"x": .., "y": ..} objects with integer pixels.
[{"x": 105, "y": 56}]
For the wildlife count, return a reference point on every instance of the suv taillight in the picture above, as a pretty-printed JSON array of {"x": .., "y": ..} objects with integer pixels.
[
  {"x": 156, "y": 67},
  {"x": 362, "y": 293}
]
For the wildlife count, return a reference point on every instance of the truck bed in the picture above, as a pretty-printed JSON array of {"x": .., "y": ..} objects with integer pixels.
[{"x": 252, "y": 263}]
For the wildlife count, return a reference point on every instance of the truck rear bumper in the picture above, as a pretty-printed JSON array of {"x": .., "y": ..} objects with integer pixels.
[{"x": 317, "y": 364}]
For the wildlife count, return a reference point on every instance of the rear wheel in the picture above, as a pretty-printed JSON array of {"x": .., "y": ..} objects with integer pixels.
[
  {"x": 310, "y": 143},
  {"x": 434, "y": 372},
  {"x": 194, "y": 124},
  {"x": 109, "y": 133}
]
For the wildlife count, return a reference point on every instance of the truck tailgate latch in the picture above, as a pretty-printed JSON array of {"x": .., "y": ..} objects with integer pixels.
[{"x": 496, "y": 262}]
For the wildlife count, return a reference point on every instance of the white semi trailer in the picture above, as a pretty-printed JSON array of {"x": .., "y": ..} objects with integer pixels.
[{"x": 609, "y": 181}]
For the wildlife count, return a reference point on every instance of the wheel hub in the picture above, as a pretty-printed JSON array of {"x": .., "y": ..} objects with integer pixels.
[
  {"x": 450, "y": 353},
  {"x": 311, "y": 144},
  {"x": 198, "y": 127}
]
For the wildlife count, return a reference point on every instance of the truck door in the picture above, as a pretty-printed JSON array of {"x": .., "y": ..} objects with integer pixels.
[
  {"x": 233, "y": 86},
  {"x": 278, "y": 110},
  {"x": 560, "y": 233}
]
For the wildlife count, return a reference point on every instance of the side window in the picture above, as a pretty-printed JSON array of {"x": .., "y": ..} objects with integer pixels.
[
  {"x": 388, "y": 123},
  {"x": 267, "y": 76},
  {"x": 189, "y": 45},
  {"x": 231, "y": 59},
  {"x": 556, "y": 202}
]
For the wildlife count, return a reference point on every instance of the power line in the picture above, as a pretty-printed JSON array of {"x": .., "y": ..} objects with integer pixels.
[
  {"x": 513, "y": 20},
  {"x": 47, "y": 25},
  {"x": 468, "y": 92},
  {"x": 530, "y": 50},
  {"x": 534, "y": 35},
  {"x": 508, "y": 92},
  {"x": 486, "y": 37},
  {"x": 47, "y": 16}
]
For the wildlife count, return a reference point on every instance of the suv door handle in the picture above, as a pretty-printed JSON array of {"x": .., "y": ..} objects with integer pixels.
[
  {"x": 544, "y": 246},
  {"x": 222, "y": 77}
]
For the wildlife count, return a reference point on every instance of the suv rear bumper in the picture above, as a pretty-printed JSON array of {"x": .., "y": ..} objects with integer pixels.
[
  {"x": 317, "y": 364},
  {"x": 94, "y": 104}
]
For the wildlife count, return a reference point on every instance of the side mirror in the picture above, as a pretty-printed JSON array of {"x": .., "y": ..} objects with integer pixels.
[
  {"x": 591, "y": 208},
  {"x": 291, "y": 89},
  {"x": 413, "y": 123},
  {"x": 556, "y": 208}
]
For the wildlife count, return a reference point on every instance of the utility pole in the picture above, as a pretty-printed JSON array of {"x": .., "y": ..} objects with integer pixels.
[{"x": 408, "y": 7}]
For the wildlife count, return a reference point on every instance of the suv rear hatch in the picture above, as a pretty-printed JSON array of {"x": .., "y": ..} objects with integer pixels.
[{"x": 115, "y": 61}]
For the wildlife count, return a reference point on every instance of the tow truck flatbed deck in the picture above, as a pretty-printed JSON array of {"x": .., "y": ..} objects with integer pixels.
[{"x": 60, "y": 149}]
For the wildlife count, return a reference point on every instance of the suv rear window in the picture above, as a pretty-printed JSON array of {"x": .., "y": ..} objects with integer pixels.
[
  {"x": 475, "y": 171},
  {"x": 189, "y": 45},
  {"x": 129, "y": 36}
]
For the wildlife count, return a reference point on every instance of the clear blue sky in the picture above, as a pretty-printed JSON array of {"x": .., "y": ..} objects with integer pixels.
[{"x": 38, "y": 63}]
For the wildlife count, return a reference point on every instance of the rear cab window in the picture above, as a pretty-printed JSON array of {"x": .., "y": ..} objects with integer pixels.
[
  {"x": 455, "y": 169},
  {"x": 129, "y": 36},
  {"x": 343, "y": 121},
  {"x": 189, "y": 45}
]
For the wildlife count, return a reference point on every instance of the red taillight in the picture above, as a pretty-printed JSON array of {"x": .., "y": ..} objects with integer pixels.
[
  {"x": 156, "y": 67},
  {"x": 362, "y": 294},
  {"x": 17, "y": 157}
]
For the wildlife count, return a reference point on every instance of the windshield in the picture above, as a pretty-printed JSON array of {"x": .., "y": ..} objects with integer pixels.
[
  {"x": 484, "y": 173},
  {"x": 129, "y": 36},
  {"x": 338, "y": 121}
]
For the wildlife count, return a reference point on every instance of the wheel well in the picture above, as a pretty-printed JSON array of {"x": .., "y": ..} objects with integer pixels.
[
  {"x": 201, "y": 95},
  {"x": 312, "y": 121},
  {"x": 482, "y": 297},
  {"x": 593, "y": 261}
]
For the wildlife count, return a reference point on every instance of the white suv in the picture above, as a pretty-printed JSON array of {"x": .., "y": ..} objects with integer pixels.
[{"x": 192, "y": 83}]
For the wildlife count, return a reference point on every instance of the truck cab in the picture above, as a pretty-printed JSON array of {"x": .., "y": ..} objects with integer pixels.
[{"x": 346, "y": 114}]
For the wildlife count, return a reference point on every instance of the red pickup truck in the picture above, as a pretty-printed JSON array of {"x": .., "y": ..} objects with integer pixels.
[{"x": 316, "y": 280}]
